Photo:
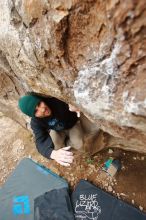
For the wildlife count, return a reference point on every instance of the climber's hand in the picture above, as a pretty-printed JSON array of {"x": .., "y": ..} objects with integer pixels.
[
  {"x": 62, "y": 156},
  {"x": 74, "y": 109}
]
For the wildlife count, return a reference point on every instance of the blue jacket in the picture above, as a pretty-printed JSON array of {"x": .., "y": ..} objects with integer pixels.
[{"x": 61, "y": 119}]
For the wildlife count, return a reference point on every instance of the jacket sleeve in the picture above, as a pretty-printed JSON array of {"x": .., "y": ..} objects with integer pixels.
[{"x": 43, "y": 140}]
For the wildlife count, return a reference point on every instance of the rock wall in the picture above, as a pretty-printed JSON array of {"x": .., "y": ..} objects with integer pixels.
[{"x": 90, "y": 53}]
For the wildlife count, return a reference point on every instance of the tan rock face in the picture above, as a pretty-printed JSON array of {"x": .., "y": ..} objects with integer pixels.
[{"x": 89, "y": 53}]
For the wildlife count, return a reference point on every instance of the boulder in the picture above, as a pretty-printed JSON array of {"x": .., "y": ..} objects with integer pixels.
[{"x": 88, "y": 53}]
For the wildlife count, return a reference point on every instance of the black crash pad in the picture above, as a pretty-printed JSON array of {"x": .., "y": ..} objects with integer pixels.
[
  {"x": 53, "y": 205},
  {"x": 90, "y": 202}
]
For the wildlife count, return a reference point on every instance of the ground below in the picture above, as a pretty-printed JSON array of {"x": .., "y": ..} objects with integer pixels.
[{"x": 129, "y": 184}]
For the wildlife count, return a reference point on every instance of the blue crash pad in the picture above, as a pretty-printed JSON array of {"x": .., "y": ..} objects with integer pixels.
[{"x": 28, "y": 181}]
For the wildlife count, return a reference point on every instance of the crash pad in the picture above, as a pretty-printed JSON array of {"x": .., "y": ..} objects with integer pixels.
[
  {"x": 91, "y": 202},
  {"x": 54, "y": 205},
  {"x": 28, "y": 181}
]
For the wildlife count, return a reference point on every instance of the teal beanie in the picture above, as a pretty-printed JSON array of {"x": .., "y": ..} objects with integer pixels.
[{"x": 28, "y": 104}]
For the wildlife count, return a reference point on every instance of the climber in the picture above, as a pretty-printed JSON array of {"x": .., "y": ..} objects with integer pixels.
[{"x": 55, "y": 125}]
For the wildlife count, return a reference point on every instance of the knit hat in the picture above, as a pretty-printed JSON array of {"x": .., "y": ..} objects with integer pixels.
[{"x": 28, "y": 104}]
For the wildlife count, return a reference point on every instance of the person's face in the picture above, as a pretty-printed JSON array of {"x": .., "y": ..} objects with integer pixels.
[{"x": 42, "y": 110}]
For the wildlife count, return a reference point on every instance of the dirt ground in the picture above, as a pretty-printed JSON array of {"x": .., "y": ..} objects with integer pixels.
[{"x": 129, "y": 184}]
